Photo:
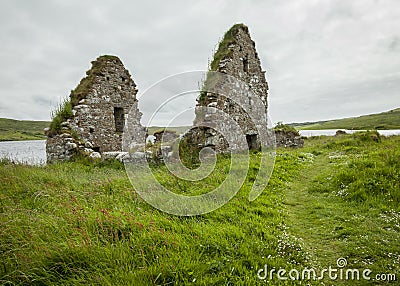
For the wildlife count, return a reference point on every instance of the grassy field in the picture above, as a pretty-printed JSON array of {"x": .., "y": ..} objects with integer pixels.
[
  {"x": 79, "y": 223},
  {"x": 384, "y": 120},
  {"x": 11, "y": 129}
]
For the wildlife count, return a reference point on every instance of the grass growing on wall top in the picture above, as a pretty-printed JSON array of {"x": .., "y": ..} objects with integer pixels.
[
  {"x": 223, "y": 47},
  {"x": 64, "y": 110},
  {"x": 285, "y": 128},
  {"x": 222, "y": 52},
  {"x": 86, "y": 83}
]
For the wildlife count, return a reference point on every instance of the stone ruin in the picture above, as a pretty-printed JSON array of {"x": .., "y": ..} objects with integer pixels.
[
  {"x": 165, "y": 135},
  {"x": 288, "y": 139},
  {"x": 99, "y": 111},
  {"x": 236, "y": 57},
  {"x": 101, "y": 102},
  {"x": 287, "y": 136}
]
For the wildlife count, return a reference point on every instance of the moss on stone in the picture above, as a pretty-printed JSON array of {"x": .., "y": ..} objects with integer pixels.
[
  {"x": 222, "y": 52},
  {"x": 85, "y": 85},
  {"x": 64, "y": 110},
  {"x": 223, "y": 47}
]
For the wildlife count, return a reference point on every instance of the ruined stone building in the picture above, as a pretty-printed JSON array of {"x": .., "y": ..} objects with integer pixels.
[
  {"x": 236, "y": 57},
  {"x": 91, "y": 122},
  {"x": 287, "y": 136},
  {"x": 165, "y": 135},
  {"x": 93, "y": 119}
]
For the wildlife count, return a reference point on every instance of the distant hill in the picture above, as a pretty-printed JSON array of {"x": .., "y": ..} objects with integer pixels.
[
  {"x": 384, "y": 120},
  {"x": 178, "y": 130},
  {"x": 17, "y": 130},
  {"x": 11, "y": 129}
]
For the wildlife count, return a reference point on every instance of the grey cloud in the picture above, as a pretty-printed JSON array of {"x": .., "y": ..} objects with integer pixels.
[{"x": 323, "y": 59}]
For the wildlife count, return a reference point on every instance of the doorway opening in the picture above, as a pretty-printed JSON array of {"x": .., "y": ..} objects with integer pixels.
[
  {"x": 119, "y": 119},
  {"x": 252, "y": 142}
]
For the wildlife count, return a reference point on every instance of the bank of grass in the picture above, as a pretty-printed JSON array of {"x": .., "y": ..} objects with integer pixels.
[
  {"x": 81, "y": 223},
  {"x": 16, "y": 130}
]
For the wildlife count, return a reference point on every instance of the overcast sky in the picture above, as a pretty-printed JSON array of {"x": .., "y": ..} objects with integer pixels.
[{"x": 323, "y": 59}]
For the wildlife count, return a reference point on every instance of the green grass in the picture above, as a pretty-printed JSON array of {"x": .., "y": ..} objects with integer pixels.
[
  {"x": 11, "y": 129},
  {"x": 384, "y": 120},
  {"x": 346, "y": 204},
  {"x": 59, "y": 115},
  {"x": 72, "y": 224},
  {"x": 81, "y": 223}
]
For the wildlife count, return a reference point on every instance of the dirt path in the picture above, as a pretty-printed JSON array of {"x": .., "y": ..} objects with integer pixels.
[{"x": 312, "y": 217}]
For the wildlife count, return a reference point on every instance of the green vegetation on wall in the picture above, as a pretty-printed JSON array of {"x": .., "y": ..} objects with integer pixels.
[
  {"x": 223, "y": 50},
  {"x": 86, "y": 83},
  {"x": 285, "y": 128},
  {"x": 64, "y": 110},
  {"x": 61, "y": 114},
  {"x": 176, "y": 129}
]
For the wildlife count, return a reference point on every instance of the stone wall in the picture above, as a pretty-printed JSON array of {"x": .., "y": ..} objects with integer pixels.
[
  {"x": 61, "y": 147},
  {"x": 236, "y": 57},
  {"x": 101, "y": 103},
  {"x": 288, "y": 139},
  {"x": 165, "y": 136}
]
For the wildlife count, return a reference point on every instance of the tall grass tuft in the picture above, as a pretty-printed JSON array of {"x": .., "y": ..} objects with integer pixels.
[{"x": 59, "y": 115}]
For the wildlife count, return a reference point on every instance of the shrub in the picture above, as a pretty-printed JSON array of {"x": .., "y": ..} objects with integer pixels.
[{"x": 368, "y": 136}]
